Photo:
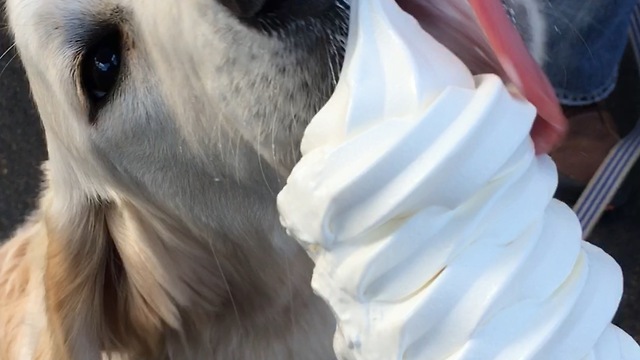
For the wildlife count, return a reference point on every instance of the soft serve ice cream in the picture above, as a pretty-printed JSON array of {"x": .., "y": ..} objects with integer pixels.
[{"x": 430, "y": 218}]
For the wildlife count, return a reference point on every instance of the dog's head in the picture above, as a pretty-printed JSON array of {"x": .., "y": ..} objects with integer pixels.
[
  {"x": 171, "y": 126},
  {"x": 179, "y": 102}
]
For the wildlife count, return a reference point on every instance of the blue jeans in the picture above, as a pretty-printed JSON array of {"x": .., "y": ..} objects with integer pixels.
[{"x": 587, "y": 41}]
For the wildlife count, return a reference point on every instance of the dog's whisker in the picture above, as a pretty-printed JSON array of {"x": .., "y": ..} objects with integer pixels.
[
  {"x": 290, "y": 288},
  {"x": 554, "y": 13},
  {"x": 273, "y": 130},
  {"x": 228, "y": 288},
  {"x": 332, "y": 69},
  {"x": 7, "y": 51},
  {"x": 237, "y": 156},
  {"x": 260, "y": 160},
  {"x": 4, "y": 68}
]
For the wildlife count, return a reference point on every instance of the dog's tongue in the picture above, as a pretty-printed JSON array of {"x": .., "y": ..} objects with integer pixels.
[{"x": 550, "y": 125}]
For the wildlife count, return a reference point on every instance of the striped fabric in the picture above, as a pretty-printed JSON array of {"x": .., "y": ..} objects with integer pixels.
[{"x": 607, "y": 181}]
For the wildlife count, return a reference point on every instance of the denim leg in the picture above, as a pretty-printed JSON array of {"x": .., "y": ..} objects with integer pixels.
[{"x": 587, "y": 39}]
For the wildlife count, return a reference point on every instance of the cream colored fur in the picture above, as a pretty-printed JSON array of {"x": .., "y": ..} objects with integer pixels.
[{"x": 156, "y": 235}]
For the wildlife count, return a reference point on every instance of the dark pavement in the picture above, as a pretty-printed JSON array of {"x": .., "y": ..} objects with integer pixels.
[{"x": 22, "y": 150}]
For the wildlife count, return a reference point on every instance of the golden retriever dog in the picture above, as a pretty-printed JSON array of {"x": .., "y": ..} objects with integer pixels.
[{"x": 171, "y": 125}]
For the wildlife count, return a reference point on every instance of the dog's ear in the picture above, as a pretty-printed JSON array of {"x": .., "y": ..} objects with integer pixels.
[{"x": 91, "y": 303}]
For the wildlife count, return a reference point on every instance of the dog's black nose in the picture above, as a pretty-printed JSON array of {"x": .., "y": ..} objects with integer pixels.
[{"x": 246, "y": 9}]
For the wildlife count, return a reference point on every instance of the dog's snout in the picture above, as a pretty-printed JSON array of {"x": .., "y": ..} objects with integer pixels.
[{"x": 247, "y": 9}]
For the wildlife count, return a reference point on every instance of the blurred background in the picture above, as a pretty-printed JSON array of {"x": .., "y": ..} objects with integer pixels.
[{"x": 22, "y": 150}]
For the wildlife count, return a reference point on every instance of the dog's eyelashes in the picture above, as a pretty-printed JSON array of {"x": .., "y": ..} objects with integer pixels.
[{"x": 100, "y": 68}]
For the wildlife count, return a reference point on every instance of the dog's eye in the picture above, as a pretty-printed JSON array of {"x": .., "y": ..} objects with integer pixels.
[{"x": 101, "y": 67}]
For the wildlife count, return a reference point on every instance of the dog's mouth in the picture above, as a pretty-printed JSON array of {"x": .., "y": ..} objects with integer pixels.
[
  {"x": 320, "y": 27},
  {"x": 551, "y": 125},
  {"x": 517, "y": 64}
]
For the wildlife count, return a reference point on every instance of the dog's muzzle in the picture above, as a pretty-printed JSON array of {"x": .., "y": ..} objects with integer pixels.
[{"x": 247, "y": 9}]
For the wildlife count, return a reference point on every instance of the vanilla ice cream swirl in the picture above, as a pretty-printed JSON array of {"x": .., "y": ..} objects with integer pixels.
[{"x": 431, "y": 220}]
